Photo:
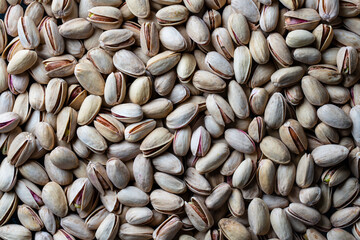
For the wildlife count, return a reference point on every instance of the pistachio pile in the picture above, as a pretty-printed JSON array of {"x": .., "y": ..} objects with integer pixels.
[{"x": 171, "y": 119}]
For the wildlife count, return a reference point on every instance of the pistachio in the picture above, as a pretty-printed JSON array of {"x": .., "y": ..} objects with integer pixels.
[
  {"x": 186, "y": 67},
  {"x": 345, "y": 217},
  {"x": 287, "y": 77},
  {"x": 75, "y": 226},
  {"x": 197, "y": 30},
  {"x": 15, "y": 231},
  {"x": 162, "y": 62},
  {"x": 222, "y": 42},
  {"x": 280, "y": 223},
  {"x": 168, "y": 229},
  {"x": 303, "y": 213},
  {"x": 115, "y": 88},
  {"x": 182, "y": 141},
  {"x": 8, "y": 205},
  {"x": 279, "y": 50},
  {"x": 182, "y": 115},
  {"x": 124, "y": 150},
  {"x": 28, "y": 33},
  {"x": 274, "y": 149},
  {"x": 140, "y": 90},
  {"x": 116, "y": 39},
  {"x": 258, "y": 47},
  {"x": 259, "y": 216},
  {"x": 334, "y": 116},
  {"x": 80, "y": 194},
  {"x": 299, "y": 38},
  {"x": 140, "y": 9},
  {"x": 171, "y": 38},
  {"x": 66, "y": 124},
  {"x": 215, "y": 157},
  {"x": 248, "y": 9},
  {"x": 128, "y": 231},
  {"x": 127, "y": 112},
  {"x": 156, "y": 142},
  {"x": 29, "y": 218},
  {"x": 265, "y": 175},
  {"x": 307, "y": 55},
  {"x": 293, "y": 136},
  {"x": 172, "y": 15},
  {"x": 149, "y": 39},
  {"x": 89, "y": 78},
  {"x": 304, "y": 18},
  {"x": 98, "y": 177},
  {"x": 159, "y": 200},
  {"x": 329, "y": 155},
  {"x": 54, "y": 198},
  {"x": 105, "y": 17},
  {"x": 21, "y": 61},
  {"x": 109, "y": 227},
  {"x": 208, "y": 82},
  {"x": 9, "y": 121},
  {"x": 219, "y": 109},
  {"x": 345, "y": 193},
  {"x": 238, "y": 29},
  {"x": 34, "y": 172},
  {"x": 60, "y": 176},
  {"x": 8, "y": 176},
  {"x": 21, "y": 148},
  {"x": 198, "y": 214},
  {"x": 196, "y": 182},
  {"x": 12, "y": 15},
  {"x": 244, "y": 173},
  {"x": 64, "y": 158},
  {"x": 275, "y": 111},
  {"x": 122, "y": 63},
  {"x": 212, "y": 18},
  {"x": 109, "y": 127},
  {"x": 242, "y": 64},
  {"x": 157, "y": 108},
  {"x": 233, "y": 229},
  {"x": 347, "y": 60}
]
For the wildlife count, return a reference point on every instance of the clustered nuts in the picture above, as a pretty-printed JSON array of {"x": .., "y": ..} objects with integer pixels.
[{"x": 171, "y": 119}]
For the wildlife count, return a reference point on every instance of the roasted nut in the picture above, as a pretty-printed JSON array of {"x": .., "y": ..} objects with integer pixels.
[{"x": 171, "y": 119}]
